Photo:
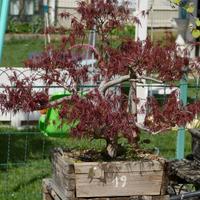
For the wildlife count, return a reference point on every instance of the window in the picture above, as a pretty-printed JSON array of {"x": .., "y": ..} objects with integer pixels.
[
  {"x": 14, "y": 7},
  {"x": 29, "y": 7}
]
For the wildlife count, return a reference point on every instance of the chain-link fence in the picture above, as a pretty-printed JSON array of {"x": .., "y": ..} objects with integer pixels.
[{"x": 23, "y": 163}]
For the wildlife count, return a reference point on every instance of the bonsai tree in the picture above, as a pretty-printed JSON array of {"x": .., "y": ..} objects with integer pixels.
[{"x": 105, "y": 112}]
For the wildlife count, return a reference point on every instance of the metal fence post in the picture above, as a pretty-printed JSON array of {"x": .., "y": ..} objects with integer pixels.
[
  {"x": 180, "y": 143},
  {"x": 4, "y": 5},
  {"x": 181, "y": 131},
  {"x": 0, "y": 8}
]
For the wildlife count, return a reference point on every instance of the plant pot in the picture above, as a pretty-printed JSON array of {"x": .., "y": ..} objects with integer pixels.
[{"x": 79, "y": 180}]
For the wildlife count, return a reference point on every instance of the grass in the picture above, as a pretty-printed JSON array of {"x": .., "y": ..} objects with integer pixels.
[
  {"x": 166, "y": 143},
  {"x": 24, "y": 182},
  {"x": 24, "y": 159},
  {"x": 24, "y": 162},
  {"x": 15, "y": 52}
]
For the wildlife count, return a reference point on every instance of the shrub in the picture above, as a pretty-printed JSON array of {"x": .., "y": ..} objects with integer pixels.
[{"x": 34, "y": 26}]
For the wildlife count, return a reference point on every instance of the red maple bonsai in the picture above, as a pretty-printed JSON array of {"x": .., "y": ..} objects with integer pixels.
[{"x": 104, "y": 112}]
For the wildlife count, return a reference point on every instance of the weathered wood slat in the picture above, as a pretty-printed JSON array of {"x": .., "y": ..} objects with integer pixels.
[
  {"x": 122, "y": 184},
  {"x": 55, "y": 191},
  {"x": 165, "y": 182},
  {"x": 195, "y": 133},
  {"x": 48, "y": 190},
  {"x": 107, "y": 177},
  {"x": 139, "y": 166},
  {"x": 162, "y": 197},
  {"x": 109, "y": 190},
  {"x": 185, "y": 171},
  {"x": 63, "y": 175},
  {"x": 165, "y": 197},
  {"x": 67, "y": 165},
  {"x": 47, "y": 196},
  {"x": 51, "y": 192}
]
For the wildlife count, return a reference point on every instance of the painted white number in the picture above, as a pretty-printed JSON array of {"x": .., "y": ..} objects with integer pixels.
[
  {"x": 116, "y": 182},
  {"x": 122, "y": 179}
]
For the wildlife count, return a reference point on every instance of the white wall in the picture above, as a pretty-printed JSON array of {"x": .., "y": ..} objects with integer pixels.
[
  {"x": 16, "y": 119},
  {"x": 67, "y": 3},
  {"x": 66, "y": 6},
  {"x": 160, "y": 17}
]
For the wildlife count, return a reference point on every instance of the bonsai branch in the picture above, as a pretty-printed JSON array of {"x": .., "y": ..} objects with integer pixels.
[
  {"x": 105, "y": 85},
  {"x": 86, "y": 46},
  {"x": 141, "y": 127},
  {"x": 55, "y": 103}
]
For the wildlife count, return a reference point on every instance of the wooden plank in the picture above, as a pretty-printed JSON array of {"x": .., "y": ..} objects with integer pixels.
[
  {"x": 162, "y": 197},
  {"x": 109, "y": 176},
  {"x": 65, "y": 164},
  {"x": 56, "y": 192},
  {"x": 48, "y": 192},
  {"x": 44, "y": 186},
  {"x": 122, "y": 184},
  {"x": 165, "y": 183},
  {"x": 139, "y": 166},
  {"x": 47, "y": 196},
  {"x": 165, "y": 197},
  {"x": 54, "y": 195},
  {"x": 63, "y": 174}
]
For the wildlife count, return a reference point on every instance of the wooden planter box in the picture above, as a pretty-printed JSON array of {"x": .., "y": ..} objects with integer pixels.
[{"x": 79, "y": 180}]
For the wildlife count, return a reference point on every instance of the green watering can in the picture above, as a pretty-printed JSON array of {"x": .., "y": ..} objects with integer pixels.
[{"x": 50, "y": 123}]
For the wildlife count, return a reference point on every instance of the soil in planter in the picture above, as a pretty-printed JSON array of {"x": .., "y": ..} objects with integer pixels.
[{"x": 124, "y": 154}]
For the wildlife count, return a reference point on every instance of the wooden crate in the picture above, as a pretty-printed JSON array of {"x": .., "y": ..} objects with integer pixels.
[{"x": 108, "y": 179}]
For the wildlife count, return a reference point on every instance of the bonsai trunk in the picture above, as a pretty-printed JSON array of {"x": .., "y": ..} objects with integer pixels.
[
  {"x": 132, "y": 106},
  {"x": 112, "y": 147}
]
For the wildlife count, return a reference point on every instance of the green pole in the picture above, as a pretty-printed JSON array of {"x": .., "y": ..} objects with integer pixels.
[
  {"x": 4, "y": 5},
  {"x": 180, "y": 146},
  {"x": 180, "y": 143},
  {"x": 0, "y": 7}
]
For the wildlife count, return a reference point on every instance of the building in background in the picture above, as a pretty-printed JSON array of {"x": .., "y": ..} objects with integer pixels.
[
  {"x": 24, "y": 10},
  {"x": 160, "y": 15}
]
